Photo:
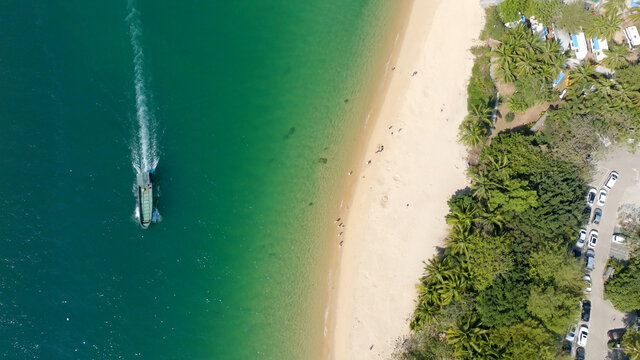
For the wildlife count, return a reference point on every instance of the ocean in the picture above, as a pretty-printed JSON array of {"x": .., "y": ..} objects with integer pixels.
[{"x": 247, "y": 110}]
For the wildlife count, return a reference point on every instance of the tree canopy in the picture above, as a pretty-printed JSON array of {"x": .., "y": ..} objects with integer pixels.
[{"x": 624, "y": 289}]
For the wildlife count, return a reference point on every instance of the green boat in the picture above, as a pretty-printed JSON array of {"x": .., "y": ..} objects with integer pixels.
[{"x": 145, "y": 199}]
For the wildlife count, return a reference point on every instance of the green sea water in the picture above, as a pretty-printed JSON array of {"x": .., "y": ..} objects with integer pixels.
[{"x": 253, "y": 106}]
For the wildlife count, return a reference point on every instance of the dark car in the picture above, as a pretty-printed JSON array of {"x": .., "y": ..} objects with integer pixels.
[
  {"x": 616, "y": 334},
  {"x": 597, "y": 215},
  {"x": 566, "y": 347},
  {"x": 580, "y": 353},
  {"x": 586, "y": 310}
]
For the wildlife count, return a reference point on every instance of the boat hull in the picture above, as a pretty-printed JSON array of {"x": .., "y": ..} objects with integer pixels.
[{"x": 145, "y": 199}]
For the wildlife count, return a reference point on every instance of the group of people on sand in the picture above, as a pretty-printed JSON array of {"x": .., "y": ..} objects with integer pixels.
[{"x": 340, "y": 225}]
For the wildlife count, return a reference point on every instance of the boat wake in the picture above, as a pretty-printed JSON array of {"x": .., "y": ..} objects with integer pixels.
[{"x": 144, "y": 153}]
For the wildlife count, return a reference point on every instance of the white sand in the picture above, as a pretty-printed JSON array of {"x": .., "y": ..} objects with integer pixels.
[{"x": 386, "y": 241}]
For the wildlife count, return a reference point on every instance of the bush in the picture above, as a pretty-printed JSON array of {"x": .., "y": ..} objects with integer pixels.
[
  {"x": 510, "y": 116},
  {"x": 494, "y": 27},
  {"x": 510, "y": 9},
  {"x": 624, "y": 289}
]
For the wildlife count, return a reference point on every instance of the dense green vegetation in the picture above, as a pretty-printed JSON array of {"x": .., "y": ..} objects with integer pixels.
[
  {"x": 481, "y": 91},
  {"x": 494, "y": 27},
  {"x": 505, "y": 285},
  {"x": 631, "y": 344},
  {"x": 624, "y": 289}
]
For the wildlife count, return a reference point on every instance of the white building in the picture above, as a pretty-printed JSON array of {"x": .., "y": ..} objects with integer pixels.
[
  {"x": 631, "y": 34},
  {"x": 579, "y": 45},
  {"x": 597, "y": 48}
]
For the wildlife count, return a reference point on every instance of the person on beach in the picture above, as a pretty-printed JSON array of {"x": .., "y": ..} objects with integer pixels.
[{"x": 340, "y": 244}]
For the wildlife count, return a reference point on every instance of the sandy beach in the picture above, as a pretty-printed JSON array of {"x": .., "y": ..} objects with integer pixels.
[{"x": 395, "y": 219}]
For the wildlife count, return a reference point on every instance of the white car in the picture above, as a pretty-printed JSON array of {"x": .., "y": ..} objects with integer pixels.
[
  {"x": 571, "y": 335},
  {"x": 582, "y": 335},
  {"x": 602, "y": 197},
  {"x": 611, "y": 180},
  {"x": 582, "y": 238},
  {"x": 591, "y": 196},
  {"x": 593, "y": 238},
  {"x": 587, "y": 279},
  {"x": 617, "y": 238}
]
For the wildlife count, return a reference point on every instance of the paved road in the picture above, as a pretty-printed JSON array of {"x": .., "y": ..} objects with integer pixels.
[{"x": 604, "y": 316}]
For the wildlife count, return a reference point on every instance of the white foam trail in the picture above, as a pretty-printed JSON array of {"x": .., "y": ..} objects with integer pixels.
[{"x": 144, "y": 154}]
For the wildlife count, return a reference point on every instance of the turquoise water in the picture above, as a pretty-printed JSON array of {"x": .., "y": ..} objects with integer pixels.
[{"x": 246, "y": 100}]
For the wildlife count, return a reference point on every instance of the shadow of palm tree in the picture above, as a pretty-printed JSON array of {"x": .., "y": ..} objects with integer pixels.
[
  {"x": 616, "y": 354},
  {"x": 630, "y": 318}
]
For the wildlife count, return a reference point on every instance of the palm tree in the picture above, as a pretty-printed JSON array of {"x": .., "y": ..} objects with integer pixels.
[
  {"x": 471, "y": 134},
  {"x": 634, "y": 17},
  {"x": 463, "y": 214},
  {"x": 425, "y": 313},
  {"x": 480, "y": 115},
  {"x": 631, "y": 344},
  {"x": 451, "y": 290},
  {"x": 481, "y": 184},
  {"x": 458, "y": 246},
  {"x": 604, "y": 27},
  {"x": 435, "y": 271},
  {"x": 467, "y": 337},
  {"x": 489, "y": 220},
  {"x": 583, "y": 77},
  {"x": 626, "y": 95},
  {"x": 616, "y": 57},
  {"x": 497, "y": 162},
  {"x": 505, "y": 62},
  {"x": 613, "y": 7}
]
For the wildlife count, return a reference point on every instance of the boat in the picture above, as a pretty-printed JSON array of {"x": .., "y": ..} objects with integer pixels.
[{"x": 145, "y": 198}]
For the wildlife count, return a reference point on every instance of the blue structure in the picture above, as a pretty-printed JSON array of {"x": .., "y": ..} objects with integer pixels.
[{"x": 559, "y": 79}]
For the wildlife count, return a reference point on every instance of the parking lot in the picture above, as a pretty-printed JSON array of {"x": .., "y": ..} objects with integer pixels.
[{"x": 604, "y": 316}]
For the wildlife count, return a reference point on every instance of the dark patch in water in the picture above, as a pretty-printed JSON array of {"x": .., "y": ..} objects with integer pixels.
[
  {"x": 322, "y": 160},
  {"x": 346, "y": 100},
  {"x": 311, "y": 203},
  {"x": 290, "y": 133}
]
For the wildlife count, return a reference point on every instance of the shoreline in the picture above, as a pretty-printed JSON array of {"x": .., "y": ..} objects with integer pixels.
[
  {"x": 393, "y": 213},
  {"x": 349, "y": 184}
]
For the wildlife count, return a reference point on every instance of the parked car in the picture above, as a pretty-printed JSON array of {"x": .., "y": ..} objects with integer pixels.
[
  {"x": 580, "y": 353},
  {"x": 586, "y": 312},
  {"x": 602, "y": 197},
  {"x": 591, "y": 196},
  {"x": 616, "y": 334},
  {"x": 593, "y": 238},
  {"x": 582, "y": 237},
  {"x": 597, "y": 216},
  {"x": 611, "y": 180},
  {"x": 590, "y": 254},
  {"x": 587, "y": 279},
  {"x": 566, "y": 347},
  {"x": 571, "y": 335},
  {"x": 617, "y": 238},
  {"x": 582, "y": 335}
]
